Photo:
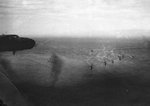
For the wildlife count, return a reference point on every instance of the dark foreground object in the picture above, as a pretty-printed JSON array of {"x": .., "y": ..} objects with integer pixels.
[{"x": 15, "y": 43}]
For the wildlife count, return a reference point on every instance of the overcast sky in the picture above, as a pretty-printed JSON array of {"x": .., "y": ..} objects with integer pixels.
[{"x": 73, "y": 17}]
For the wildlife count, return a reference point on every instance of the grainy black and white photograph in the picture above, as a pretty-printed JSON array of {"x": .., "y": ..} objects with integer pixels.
[{"x": 74, "y": 52}]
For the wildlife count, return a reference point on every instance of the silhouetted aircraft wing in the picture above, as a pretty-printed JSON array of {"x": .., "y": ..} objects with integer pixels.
[{"x": 15, "y": 43}]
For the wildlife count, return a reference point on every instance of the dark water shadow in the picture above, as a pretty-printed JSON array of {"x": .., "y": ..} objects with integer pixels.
[{"x": 56, "y": 64}]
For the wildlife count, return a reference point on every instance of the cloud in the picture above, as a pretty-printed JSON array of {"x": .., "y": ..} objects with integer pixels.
[
  {"x": 68, "y": 16},
  {"x": 58, "y": 6}
]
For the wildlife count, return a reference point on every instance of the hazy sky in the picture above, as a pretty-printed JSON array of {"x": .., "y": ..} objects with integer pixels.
[{"x": 73, "y": 17}]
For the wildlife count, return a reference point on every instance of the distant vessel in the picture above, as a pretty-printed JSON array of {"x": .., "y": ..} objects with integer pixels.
[{"x": 12, "y": 42}]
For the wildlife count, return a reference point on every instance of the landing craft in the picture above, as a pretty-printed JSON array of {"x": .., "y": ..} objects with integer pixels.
[{"x": 12, "y": 42}]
